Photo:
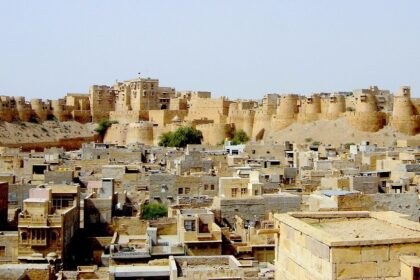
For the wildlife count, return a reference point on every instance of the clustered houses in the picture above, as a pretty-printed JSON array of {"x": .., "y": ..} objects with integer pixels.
[
  {"x": 128, "y": 209},
  {"x": 298, "y": 212}
]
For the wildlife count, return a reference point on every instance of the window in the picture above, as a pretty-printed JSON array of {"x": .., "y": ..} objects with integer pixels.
[
  {"x": 206, "y": 187},
  {"x": 256, "y": 192},
  {"x": 2, "y": 251},
  {"x": 24, "y": 237},
  {"x": 187, "y": 190},
  {"x": 243, "y": 191},
  {"x": 212, "y": 187},
  {"x": 234, "y": 191},
  {"x": 189, "y": 225},
  {"x": 180, "y": 191},
  {"x": 60, "y": 202}
]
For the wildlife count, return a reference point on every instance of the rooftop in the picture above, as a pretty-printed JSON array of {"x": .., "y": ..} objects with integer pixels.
[{"x": 353, "y": 228}]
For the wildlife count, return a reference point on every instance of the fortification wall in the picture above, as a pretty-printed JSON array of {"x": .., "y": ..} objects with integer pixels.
[
  {"x": 213, "y": 134},
  {"x": 140, "y": 133},
  {"x": 23, "y": 109},
  {"x": 59, "y": 110},
  {"x": 242, "y": 119},
  {"x": 406, "y": 125},
  {"x": 116, "y": 134},
  {"x": 310, "y": 109},
  {"x": 366, "y": 121},
  {"x": 207, "y": 108},
  {"x": 164, "y": 117},
  {"x": 286, "y": 112},
  {"x": 404, "y": 118},
  {"x": 81, "y": 116},
  {"x": 40, "y": 109},
  {"x": 335, "y": 107},
  {"x": 262, "y": 124},
  {"x": 124, "y": 117}
]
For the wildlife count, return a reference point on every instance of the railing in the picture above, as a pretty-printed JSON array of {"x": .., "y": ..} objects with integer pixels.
[{"x": 29, "y": 221}]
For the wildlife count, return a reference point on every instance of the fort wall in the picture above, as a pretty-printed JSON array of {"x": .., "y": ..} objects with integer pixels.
[
  {"x": 310, "y": 109},
  {"x": 286, "y": 112},
  {"x": 242, "y": 119},
  {"x": 213, "y": 134},
  {"x": 404, "y": 118},
  {"x": 40, "y": 109},
  {"x": 366, "y": 117},
  {"x": 262, "y": 124}
]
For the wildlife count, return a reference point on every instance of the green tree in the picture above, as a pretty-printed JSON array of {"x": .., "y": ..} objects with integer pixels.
[
  {"x": 154, "y": 210},
  {"x": 103, "y": 126},
  {"x": 239, "y": 137},
  {"x": 181, "y": 137}
]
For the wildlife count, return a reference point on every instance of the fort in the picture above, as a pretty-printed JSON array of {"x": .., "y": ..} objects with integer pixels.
[{"x": 142, "y": 110}]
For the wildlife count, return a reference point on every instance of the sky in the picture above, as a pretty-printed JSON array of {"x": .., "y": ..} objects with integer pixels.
[{"x": 239, "y": 49}]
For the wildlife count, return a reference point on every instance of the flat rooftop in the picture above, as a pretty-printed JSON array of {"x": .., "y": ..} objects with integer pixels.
[
  {"x": 362, "y": 228},
  {"x": 354, "y": 228}
]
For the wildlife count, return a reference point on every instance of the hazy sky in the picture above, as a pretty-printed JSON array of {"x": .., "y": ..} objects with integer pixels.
[{"x": 234, "y": 48}]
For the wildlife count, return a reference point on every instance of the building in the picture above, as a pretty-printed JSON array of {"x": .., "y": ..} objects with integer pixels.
[
  {"x": 48, "y": 223},
  {"x": 343, "y": 245}
]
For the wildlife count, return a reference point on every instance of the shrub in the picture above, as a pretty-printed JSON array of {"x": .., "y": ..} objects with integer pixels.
[
  {"x": 103, "y": 126},
  {"x": 154, "y": 210},
  {"x": 239, "y": 137},
  {"x": 316, "y": 143},
  {"x": 181, "y": 137},
  {"x": 307, "y": 140},
  {"x": 34, "y": 119}
]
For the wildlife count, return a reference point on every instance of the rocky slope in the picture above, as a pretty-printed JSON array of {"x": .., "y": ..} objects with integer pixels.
[
  {"x": 334, "y": 132},
  {"x": 48, "y": 133}
]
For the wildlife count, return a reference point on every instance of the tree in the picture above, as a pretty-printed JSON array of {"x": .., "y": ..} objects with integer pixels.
[
  {"x": 239, "y": 137},
  {"x": 103, "y": 126},
  {"x": 154, "y": 210},
  {"x": 181, "y": 137}
]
